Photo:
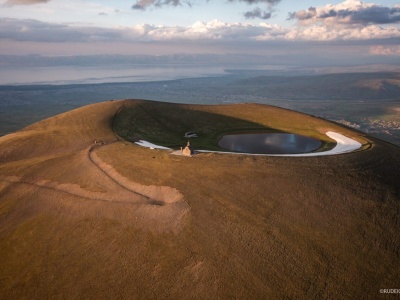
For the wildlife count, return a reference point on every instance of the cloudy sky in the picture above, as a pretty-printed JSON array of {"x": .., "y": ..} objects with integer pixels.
[{"x": 337, "y": 30}]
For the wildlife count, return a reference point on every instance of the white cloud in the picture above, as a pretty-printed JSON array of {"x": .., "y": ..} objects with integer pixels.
[
  {"x": 332, "y": 33},
  {"x": 349, "y": 20},
  {"x": 30, "y": 30},
  {"x": 25, "y": 2},
  {"x": 348, "y": 12},
  {"x": 385, "y": 50}
]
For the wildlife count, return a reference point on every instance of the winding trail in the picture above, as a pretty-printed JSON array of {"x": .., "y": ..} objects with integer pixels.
[
  {"x": 56, "y": 187},
  {"x": 118, "y": 189},
  {"x": 155, "y": 195},
  {"x": 134, "y": 193},
  {"x": 97, "y": 162}
]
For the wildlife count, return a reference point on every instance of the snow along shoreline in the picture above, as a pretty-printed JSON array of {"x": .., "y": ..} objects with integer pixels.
[
  {"x": 150, "y": 145},
  {"x": 343, "y": 145}
]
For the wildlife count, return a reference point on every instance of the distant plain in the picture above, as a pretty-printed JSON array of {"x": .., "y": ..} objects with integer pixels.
[{"x": 367, "y": 101}]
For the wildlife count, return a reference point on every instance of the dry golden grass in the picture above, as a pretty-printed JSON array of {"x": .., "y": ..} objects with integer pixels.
[{"x": 244, "y": 227}]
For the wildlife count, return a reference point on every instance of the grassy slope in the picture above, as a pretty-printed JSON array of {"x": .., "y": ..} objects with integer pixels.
[{"x": 258, "y": 227}]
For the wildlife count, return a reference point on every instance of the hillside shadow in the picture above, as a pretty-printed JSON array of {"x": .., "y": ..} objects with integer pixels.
[{"x": 166, "y": 123}]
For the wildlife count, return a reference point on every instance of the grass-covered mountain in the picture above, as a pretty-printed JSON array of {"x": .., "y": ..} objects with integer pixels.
[{"x": 85, "y": 214}]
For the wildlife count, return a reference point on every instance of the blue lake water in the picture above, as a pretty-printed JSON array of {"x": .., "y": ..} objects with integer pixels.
[{"x": 269, "y": 143}]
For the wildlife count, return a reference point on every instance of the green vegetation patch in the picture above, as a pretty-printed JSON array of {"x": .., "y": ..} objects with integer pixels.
[{"x": 165, "y": 124}]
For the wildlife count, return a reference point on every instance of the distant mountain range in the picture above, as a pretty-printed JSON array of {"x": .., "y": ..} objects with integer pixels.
[
  {"x": 229, "y": 60},
  {"x": 362, "y": 86},
  {"x": 90, "y": 60}
]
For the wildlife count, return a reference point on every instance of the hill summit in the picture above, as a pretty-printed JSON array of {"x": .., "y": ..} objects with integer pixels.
[{"x": 87, "y": 213}]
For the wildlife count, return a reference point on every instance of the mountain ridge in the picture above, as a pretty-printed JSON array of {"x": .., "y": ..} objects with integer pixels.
[{"x": 245, "y": 227}]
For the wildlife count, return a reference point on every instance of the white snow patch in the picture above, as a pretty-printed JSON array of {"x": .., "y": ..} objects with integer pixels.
[
  {"x": 343, "y": 145},
  {"x": 150, "y": 145}
]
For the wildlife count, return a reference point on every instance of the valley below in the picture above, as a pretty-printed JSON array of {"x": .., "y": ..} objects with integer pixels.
[{"x": 369, "y": 102}]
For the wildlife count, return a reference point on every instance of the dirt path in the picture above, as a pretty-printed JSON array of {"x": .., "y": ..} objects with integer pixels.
[
  {"x": 116, "y": 188},
  {"x": 62, "y": 188},
  {"x": 98, "y": 163},
  {"x": 155, "y": 195}
]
